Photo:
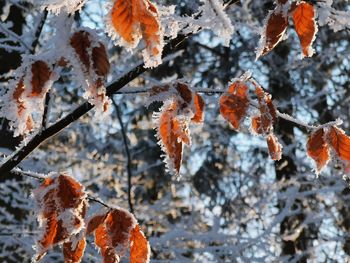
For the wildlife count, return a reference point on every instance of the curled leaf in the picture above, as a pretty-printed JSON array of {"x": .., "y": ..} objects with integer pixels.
[
  {"x": 275, "y": 148},
  {"x": 273, "y": 32}
]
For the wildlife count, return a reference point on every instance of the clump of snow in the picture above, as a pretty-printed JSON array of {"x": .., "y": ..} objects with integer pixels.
[
  {"x": 212, "y": 16},
  {"x": 58, "y": 6}
]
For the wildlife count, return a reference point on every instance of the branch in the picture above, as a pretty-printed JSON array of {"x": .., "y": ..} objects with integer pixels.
[
  {"x": 127, "y": 151},
  {"x": 14, "y": 159}
]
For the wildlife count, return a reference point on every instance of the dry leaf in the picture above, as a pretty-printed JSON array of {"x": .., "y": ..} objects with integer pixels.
[
  {"x": 139, "y": 247},
  {"x": 41, "y": 74},
  {"x": 276, "y": 25},
  {"x": 305, "y": 26},
  {"x": 275, "y": 148},
  {"x": 136, "y": 19},
  {"x": 74, "y": 255},
  {"x": 317, "y": 149},
  {"x": 235, "y": 103},
  {"x": 59, "y": 195},
  {"x": 340, "y": 143}
]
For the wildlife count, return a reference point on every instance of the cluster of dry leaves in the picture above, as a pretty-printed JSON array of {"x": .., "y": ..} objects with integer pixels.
[
  {"x": 184, "y": 106},
  {"x": 63, "y": 205}
]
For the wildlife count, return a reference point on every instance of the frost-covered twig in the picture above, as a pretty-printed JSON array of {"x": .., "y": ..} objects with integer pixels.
[{"x": 22, "y": 152}]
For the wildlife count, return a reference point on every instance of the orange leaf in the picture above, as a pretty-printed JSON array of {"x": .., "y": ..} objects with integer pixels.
[
  {"x": 275, "y": 148},
  {"x": 317, "y": 149},
  {"x": 41, "y": 73},
  {"x": 305, "y": 26},
  {"x": 59, "y": 195},
  {"x": 198, "y": 104},
  {"x": 340, "y": 143},
  {"x": 139, "y": 247},
  {"x": 274, "y": 30},
  {"x": 74, "y": 255},
  {"x": 113, "y": 235},
  {"x": 94, "y": 222},
  {"x": 135, "y": 19},
  {"x": 103, "y": 241},
  {"x": 234, "y": 104},
  {"x": 169, "y": 139}
]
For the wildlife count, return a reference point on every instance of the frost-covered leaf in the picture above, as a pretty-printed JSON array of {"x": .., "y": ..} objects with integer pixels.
[
  {"x": 234, "y": 104},
  {"x": 181, "y": 107},
  {"x": 94, "y": 64},
  {"x": 318, "y": 149},
  {"x": 134, "y": 20},
  {"x": 73, "y": 252},
  {"x": 62, "y": 207},
  {"x": 268, "y": 114},
  {"x": 41, "y": 74},
  {"x": 275, "y": 148},
  {"x": 116, "y": 233},
  {"x": 273, "y": 31},
  {"x": 26, "y": 94},
  {"x": 305, "y": 26},
  {"x": 139, "y": 247},
  {"x": 168, "y": 139}
]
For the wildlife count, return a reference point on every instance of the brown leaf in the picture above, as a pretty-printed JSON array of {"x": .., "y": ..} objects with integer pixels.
[
  {"x": 80, "y": 41},
  {"x": 184, "y": 92},
  {"x": 100, "y": 60},
  {"x": 41, "y": 74},
  {"x": 198, "y": 104},
  {"x": 74, "y": 255},
  {"x": 274, "y": 30},
  {"x": 317, "y": 149},
  {"x": 305, "y": 26},
  {"x": 235, "y": 103},
  {"x": 275, "y": 148},
  {"x": 139, "y": 247}
]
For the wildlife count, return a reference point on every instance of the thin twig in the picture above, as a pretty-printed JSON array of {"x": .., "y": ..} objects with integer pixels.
[
  {"x": 38, "y": 32},
  {"x": 127, "y": 151}
]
